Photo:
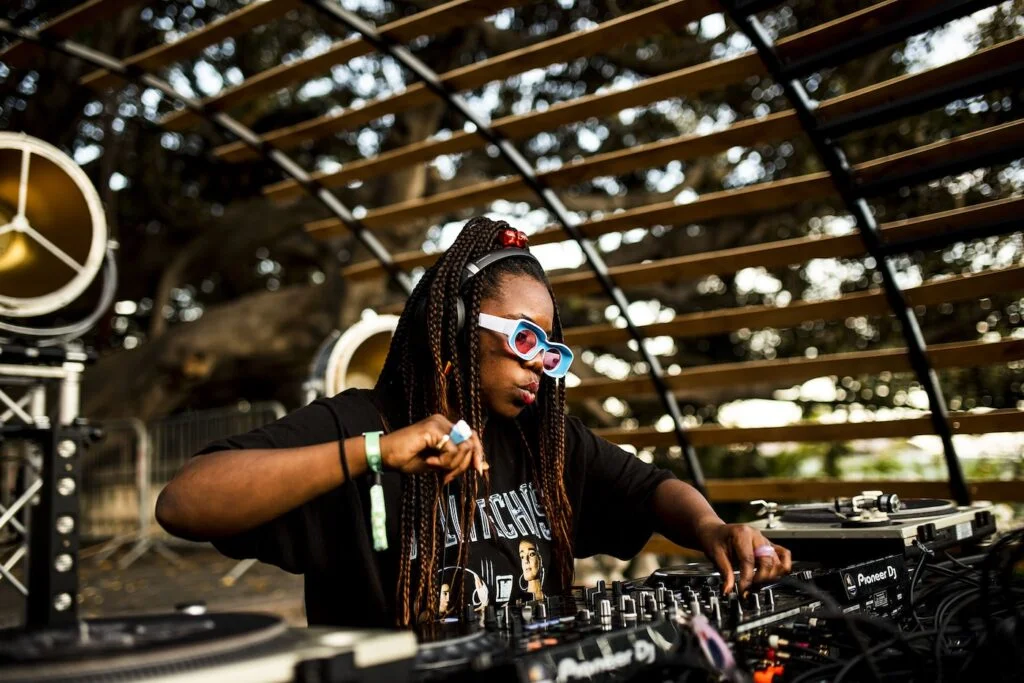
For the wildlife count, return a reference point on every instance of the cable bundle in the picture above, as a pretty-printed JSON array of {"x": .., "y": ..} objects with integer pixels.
[{"x": 966, "y": 624}]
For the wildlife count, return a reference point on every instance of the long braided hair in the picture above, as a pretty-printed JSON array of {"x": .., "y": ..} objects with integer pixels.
[{"x": 414, "y": 385}]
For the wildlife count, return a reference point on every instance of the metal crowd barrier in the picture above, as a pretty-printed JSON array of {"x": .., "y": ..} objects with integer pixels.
[{"x": 123, "y": 474}]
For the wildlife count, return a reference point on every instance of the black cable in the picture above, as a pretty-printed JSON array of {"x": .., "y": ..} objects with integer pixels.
[
  {"x": 852, "y": 664},
  {"x": 954, "y": 575},
  {"x": 913, "y": 586},
  {"x": 830, "y": 603},
  {"x": 814, "y": 673}
]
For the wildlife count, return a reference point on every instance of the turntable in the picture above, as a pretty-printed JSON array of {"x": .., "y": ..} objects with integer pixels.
[{"x": 872, "y": 524}]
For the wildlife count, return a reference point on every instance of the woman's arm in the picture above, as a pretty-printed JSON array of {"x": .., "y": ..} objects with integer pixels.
[{"x": 228, "y": 492}]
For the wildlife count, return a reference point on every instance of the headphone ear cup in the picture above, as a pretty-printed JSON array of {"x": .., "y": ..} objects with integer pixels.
[{"x": 460, "y": 312}]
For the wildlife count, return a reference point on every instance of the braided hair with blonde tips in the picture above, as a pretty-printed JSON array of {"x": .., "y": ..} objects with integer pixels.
[{"x": 414, "y": 385}]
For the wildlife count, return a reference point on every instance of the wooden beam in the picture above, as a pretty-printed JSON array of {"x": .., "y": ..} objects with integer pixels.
[
  {"x": 20, "y": 55},
  {"x": 871, "y": 302},
  {"x": 227, "y": 26},
  {"x": 440, "y": 19},
  {"x": 789, "y": 370},
  {"x": 779, "y": 253},
  {"x": 1008, "y": 420}
]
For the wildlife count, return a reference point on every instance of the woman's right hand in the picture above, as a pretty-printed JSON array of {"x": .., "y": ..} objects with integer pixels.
[{"x": 415, "y": 449}]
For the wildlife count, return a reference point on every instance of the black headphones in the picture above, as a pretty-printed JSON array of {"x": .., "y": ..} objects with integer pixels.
[{"x": 468, "y": 273}]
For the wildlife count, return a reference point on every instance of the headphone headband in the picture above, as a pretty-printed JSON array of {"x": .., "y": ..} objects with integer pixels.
[{"x": 473, "y": 269}]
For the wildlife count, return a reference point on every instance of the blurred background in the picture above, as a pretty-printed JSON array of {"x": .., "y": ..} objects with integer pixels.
[{"x": 231, "y": 280}]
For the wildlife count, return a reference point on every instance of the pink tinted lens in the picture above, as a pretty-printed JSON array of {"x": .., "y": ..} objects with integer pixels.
[
  {"x": 552, "y": 359},
  {"x": 525, "y": 341}
]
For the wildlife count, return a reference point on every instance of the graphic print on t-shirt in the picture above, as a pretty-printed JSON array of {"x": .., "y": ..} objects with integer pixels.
[{"x": 509, "y": 549}]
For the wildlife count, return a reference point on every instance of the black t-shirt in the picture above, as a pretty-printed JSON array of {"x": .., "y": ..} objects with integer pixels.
[{"x": 348, "y": 584}]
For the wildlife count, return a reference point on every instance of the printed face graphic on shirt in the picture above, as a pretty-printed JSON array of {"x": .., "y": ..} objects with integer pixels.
[
  {"x": 530, "y": 560},
  {"x": 532, "y": 580},
  {"x": 475, "y": 586},
  {"x": 446, "y": 592}
]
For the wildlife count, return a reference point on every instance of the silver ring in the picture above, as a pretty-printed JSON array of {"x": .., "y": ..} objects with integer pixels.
[
  {"x": 766, "y": 550},
  {"x": 439, "y": 446}
]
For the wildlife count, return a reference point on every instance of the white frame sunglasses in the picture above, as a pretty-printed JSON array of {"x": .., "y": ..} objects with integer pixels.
[{"x": 511, "y": 329}]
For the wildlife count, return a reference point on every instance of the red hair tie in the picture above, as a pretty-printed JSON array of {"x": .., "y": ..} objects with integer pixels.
[{"x": 512, "y": 238}]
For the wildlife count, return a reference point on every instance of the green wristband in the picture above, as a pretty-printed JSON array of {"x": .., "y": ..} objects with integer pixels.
[
  {"x": 372, "y": 447},
  {"x": 378, "y": 517}
]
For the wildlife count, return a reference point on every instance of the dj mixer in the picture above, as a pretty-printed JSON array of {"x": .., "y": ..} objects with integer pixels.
[{"x": 672, "y": 625}]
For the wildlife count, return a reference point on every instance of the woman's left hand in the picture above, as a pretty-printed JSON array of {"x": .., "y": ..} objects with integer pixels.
[{"x": 742, "y": 547}]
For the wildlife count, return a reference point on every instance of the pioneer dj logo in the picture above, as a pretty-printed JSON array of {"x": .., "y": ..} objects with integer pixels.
[
  {"x": 853, "y": 584},
  {"x": 569, "y": 669},
  {"x": 868, "y": 579}
]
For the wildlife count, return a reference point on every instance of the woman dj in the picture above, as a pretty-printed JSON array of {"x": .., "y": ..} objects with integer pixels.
[{"x": 476, "y": 343}]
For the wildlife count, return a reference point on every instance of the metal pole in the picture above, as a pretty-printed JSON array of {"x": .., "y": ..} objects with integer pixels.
[
  {"x": 70, "y": 393},
  {"x": 550, "y": 200},
  {"x": 285, "y": 163},
  {"x": 839, "y": 169}
]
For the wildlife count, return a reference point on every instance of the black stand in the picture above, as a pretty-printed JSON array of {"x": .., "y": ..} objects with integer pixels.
[{"x": 53, "y": 528}]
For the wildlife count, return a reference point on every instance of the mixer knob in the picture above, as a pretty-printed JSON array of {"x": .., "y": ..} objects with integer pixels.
[
  {"x": 754, "y": 602},
  {"x": 527, "y": 613},
  {"x": 471, "y": 618},
  {"x": 542, "y": 610},
  {"x": 735, "y": 609},
  {"x": 490, "y": 618},
  {"x": 660, "y": 594},
  {"x": 584, "y": 616},
  {"x": 706, "y": 592},
  {"x": 604, "y": 611},
  {"x": 629, "y": 611},
  {"x": 601, "y": 586},
  {"x": 716, "y": 610},
  {"x": 616, "y": 589},
  {"x": 694, "y": 607},
  {"x": 769, "y": 599}
]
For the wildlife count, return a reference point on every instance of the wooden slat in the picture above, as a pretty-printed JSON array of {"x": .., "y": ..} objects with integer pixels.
[
  {"x": 988, "y": 140},
  {"x": 618, "y": 31},
  {"x": 770, "y": 255},
  {"x": 886, "y": 92},
  {"x": 230, "y": 25},
  {"x": 871, "y": 302},
  {"x": 759, "y": 198},
  {"x": 1008, "y": 420},
  {"x": 746, "y": 133},
  {"x": 791, "y": 370},
  {"x": 440, "y": 19},
  {"x": 19, "y": 54}
]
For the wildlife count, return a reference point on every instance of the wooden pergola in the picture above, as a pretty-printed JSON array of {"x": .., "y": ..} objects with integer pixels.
[{"x": 825, "y": 124}]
